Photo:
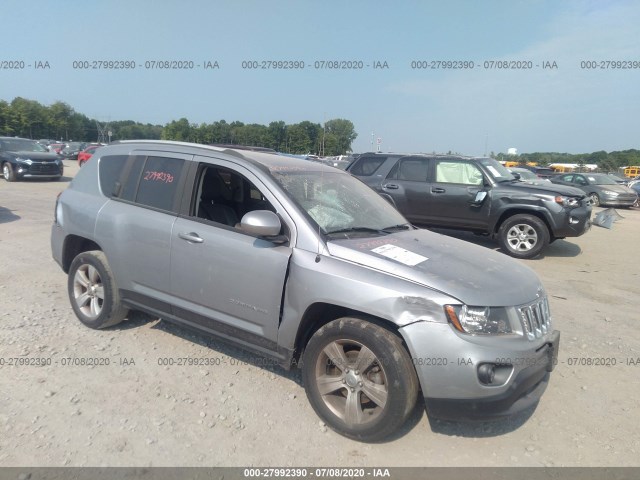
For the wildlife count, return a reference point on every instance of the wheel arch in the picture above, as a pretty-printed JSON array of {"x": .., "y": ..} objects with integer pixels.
[
  {"x": 521, "y": 211},
  {"x": 73, "y": 246},
  {"x": 319, "y": 314}
]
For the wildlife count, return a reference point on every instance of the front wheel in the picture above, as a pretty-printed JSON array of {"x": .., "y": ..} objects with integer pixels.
[
  {"x": 523, "y": 236},
  {"x": 359, "y": 378},
  {"x": 8, "y": 173},
  {"x": 595, "y": 199},
  {"x": 93, "y": 292}
]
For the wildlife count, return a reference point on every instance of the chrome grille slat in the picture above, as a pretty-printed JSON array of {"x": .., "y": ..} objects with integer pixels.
[{"x": 536, "y": 320}]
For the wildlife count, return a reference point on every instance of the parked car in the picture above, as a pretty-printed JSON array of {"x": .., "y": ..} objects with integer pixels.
[
  {"x": 72, "y": 150},
  {"x": 527, "y": 176},
  {"x": 635, "y": 186},
  {"x": 618, "y": 178},
  {"x": 86, "y": 154},
  {"x": 56, "y": 147},
  {"x": 477, "y": 195},
  {"x": 601, "y": 188},
  {"x": 307, "y": 266},
  {"x": 25, "y": 158},
  {"x": 540, "y": 172}
]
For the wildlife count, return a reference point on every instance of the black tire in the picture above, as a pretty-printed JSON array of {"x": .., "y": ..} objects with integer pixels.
[
  {"x": 8, "y": 172},
  {"x": 595, "y": 199},
  {"x": 374, "y": 364},
  {"x": 523, "y": 236},
  {"x": 90, "y": 277}
]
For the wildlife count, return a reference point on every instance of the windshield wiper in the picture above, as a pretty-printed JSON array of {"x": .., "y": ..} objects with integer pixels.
[
  {"x": 378, "y": 231},
  {"x": 401, "y": 226},
  {"x": 358, "y": 230}
]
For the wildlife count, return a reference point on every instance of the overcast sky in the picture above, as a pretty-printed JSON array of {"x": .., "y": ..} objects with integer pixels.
[{"x": 564, "y": 109}]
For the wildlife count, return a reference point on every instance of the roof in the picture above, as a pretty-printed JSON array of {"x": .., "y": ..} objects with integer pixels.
[{"x": 268, "y": 161}]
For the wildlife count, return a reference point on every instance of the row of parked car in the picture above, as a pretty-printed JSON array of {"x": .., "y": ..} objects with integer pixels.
[{"x": 80, "y": 151}]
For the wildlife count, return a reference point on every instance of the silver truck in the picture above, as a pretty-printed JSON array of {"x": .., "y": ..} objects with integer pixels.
[{"x": 305, "y": 265}]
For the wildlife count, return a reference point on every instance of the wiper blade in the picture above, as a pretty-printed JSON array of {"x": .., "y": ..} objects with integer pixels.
[
  {"x": 358, "y": 230},
  {"x": 401, "y": 226},
  {"x": 378, "y": 231}
]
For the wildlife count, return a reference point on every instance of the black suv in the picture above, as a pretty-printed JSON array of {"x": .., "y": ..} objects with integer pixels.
[
  {"x": 24, "y": 158},
  {"x": 478, "y": 195}
]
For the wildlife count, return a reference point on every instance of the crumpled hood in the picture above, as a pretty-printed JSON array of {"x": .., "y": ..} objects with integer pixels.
[
  {"x": 550, "y": 188},
  {"x": 474, "y": 275}
]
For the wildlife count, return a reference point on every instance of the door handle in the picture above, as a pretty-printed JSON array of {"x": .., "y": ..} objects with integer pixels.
[
  {"x": 191, "y": 237},
  {"x": 391, "y": 186},
  {"x": 437, "y": 190}
]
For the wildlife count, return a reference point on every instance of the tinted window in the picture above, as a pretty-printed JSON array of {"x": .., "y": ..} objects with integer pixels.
[
  {"x": 366, "y": 166},
  {"x": 131, "y": 177},
  {"x": 109, "y": 170},
  {"x": 159, "y": 182},
  {"x": 413, "y": 169}
]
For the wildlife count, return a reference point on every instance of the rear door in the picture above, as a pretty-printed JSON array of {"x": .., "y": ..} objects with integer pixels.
[
  {"x": 135, "y": 226},
  {"x": 407, "y": 184}
]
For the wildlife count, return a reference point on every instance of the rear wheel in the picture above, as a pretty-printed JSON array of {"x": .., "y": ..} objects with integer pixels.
[
  {"x": 8, "y": 173},
  {"x": 93, "y": 292},
  {"x": 359, "y": 378},
  {"x": 523, "y": 236}
]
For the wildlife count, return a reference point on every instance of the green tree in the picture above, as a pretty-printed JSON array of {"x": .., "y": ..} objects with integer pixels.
[{"x": 344, "y": 133}]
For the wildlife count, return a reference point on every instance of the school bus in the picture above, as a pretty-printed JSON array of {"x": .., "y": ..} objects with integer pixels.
[{"x": 632, "y": 172}]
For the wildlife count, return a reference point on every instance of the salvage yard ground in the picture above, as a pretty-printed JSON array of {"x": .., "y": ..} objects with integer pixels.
[{"x": 134, "y": 409}]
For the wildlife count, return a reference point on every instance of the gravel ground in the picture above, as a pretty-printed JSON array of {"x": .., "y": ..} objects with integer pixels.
[{"x": 237, "y": 412}]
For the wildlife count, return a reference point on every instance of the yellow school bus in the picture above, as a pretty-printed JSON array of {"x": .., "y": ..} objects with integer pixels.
[{"x": 631, "y": 172}]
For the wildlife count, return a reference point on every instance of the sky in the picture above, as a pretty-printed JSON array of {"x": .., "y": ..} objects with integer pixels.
[{"x": 568, "y": 107}]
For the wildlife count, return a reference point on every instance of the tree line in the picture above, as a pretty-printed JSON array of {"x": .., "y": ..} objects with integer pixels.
[{"x": 59, "y": 121}]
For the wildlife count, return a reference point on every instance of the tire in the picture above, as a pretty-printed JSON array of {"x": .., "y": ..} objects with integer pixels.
[
  {"x": 374, "y": 363},
  {"x": 595, "y": 199},
  {"x": 90, "y": 277},
  {"x": 8, "y": 173},
  {"x": 523, "y": 236}
]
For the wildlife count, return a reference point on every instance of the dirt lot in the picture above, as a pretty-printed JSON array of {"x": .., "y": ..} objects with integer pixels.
[{"x": 135, "y": 412}]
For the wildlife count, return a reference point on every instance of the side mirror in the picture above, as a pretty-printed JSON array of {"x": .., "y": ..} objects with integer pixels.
[
  {"x": 480, "y": 196},
  {"x": 262, "y": 223},
  {"x": 516, "y": 175}
]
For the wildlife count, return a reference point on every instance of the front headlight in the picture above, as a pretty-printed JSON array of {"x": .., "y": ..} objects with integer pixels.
[
  {"x": 26, "y": 161},
  {"x": 567, "y": 201},
  {"x": 478, "y": 320},
  {"x": 609, "y": 193}
]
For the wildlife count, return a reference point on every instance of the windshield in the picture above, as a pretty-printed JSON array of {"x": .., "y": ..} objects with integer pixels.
[
  {"x": 22, "y": 145},
  {"x": 496, "y": 170},
  {"x": 525, "y": 174},
  {"x": 601, "y": 180},
  {"x": 337, "y": 202}
]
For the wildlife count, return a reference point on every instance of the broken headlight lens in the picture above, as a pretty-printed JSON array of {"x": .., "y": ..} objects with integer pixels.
[{"x": 478, "y": 320}]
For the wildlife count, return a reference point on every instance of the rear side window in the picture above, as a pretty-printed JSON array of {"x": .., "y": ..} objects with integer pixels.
[
  {"x": 109, "y": 170},
  {"x": 366, "y": 166},
  {"x": 413, "y": 169},
  {"x": 159, "y": 182}
]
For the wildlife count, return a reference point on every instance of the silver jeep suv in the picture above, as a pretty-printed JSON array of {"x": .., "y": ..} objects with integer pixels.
[{"x": 306, "y": 265}]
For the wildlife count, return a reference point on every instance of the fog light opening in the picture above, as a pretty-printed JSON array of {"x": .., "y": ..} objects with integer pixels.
[{"x": 487, "y": 373}]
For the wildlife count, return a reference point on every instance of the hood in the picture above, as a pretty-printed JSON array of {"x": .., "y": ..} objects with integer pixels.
[
  {"x": 549, "y": 188},
  {"x": 474, "y": 275},
  {"x": 36, "y": 156},
  {"x": 616, "y": 188}
]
